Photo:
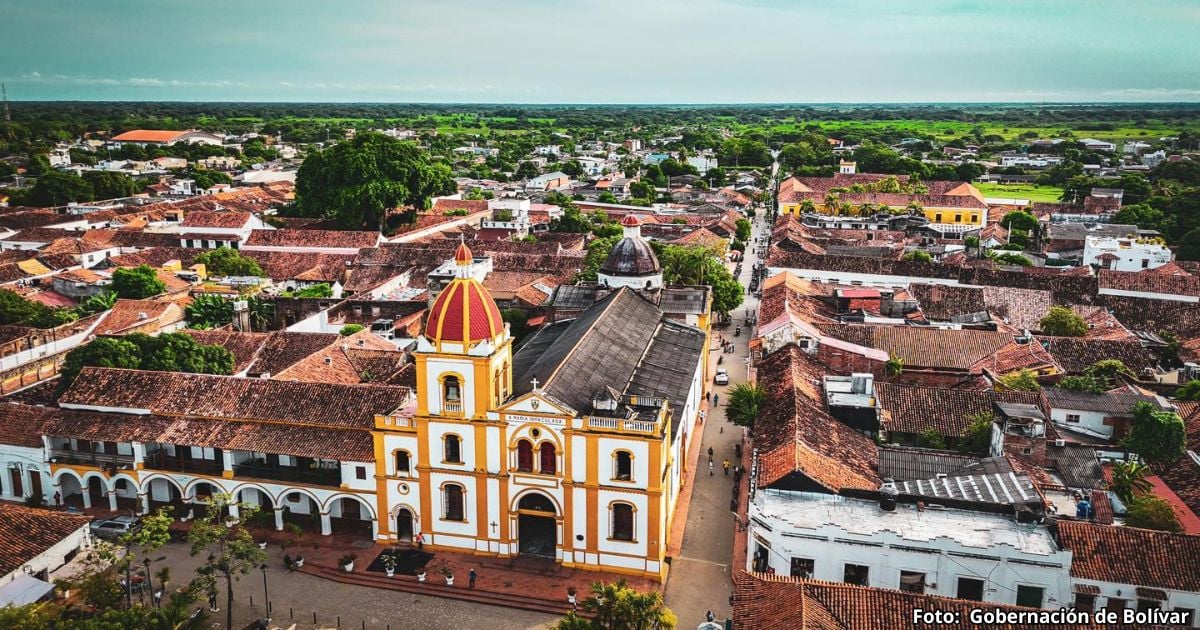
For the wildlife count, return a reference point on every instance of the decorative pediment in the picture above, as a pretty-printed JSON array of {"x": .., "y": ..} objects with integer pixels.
[{"x": 538, "y": 402}]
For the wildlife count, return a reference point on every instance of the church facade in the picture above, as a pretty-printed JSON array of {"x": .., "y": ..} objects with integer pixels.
[{"x": 571, "y": 448}]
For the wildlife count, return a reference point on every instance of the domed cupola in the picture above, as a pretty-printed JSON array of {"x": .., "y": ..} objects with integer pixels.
[
  {"x": 464, "y": 313},
  {"x": 632, "y": 262}
]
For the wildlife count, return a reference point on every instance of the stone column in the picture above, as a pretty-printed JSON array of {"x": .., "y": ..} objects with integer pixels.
[
  {"x": 87, "y": 496},
  {"x": 144, "y": 499},
  {"x": 112, "y": 500},
  {"x": 374, "y": 529},
  {"x": 227, "y": 464},
  {"x": 278, "y": 519},
  {"x": 234, "y": 510},
  {"x": 26, "y": 483},
  {"x": 6, "y": 485},
  {"x": 326, "y": 524}
]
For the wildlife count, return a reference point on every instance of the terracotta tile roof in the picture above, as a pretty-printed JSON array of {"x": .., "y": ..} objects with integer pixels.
[
  {"x": 333, "y": 364},
  {"x": 442, "y": 206},
  {"x": 245, "y": 346},
  {"x": 228, "y": 397},
  {"x": 1102, "y": 324},
  {"x": 776, "y": 602},
  {"x": 1129, "y": 555},
  {"x": 281, "y": 439},
  {"x": 922, "y": 347},
  {"x": 148, "y": 135},
  {"x": 1151, "y": 281},
  {"x": 21, "y": 425},
  {"x": 702, "y": 237},
  {"x": 139, "y": 316},
  {"x": 1014, "y": 357},
  {"x": 913, "y": 409},
  {"x": 207, "y": 219},
  {"x": 1117, "y": 402},
  {"x": 26, "y": 533},
  {"x": 794, "y": 433},
  {"x": 312, "y": 238},
  {"x": 1074, "y": 355}
]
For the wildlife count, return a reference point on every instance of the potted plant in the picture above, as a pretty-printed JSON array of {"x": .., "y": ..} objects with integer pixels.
[
  {"x": 347, "y": 562},
  {"x": 421, "y": 575},
  {"x": 389, "y": 564},
  {"x": 448, "y": 574},
  {"x": 571, "y": 592}
]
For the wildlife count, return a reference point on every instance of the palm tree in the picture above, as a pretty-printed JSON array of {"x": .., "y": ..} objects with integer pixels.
[
  {"x": 619, "y": 606},
  {"x": 745, "y": 402},
  {"x": 833, "y": 203},
  {"x": 808, "y": 207},
  {"x": 1129, "y": 478}
]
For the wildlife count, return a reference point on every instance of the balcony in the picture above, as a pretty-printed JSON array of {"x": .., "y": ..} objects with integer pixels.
[
  {"x": 310, "y": 476},
  {"x": 89, "y": 458},
  {"x": 160, "y": 460},
  {"x": 623, "y": 424},
  {"x": 453, "y": 406}
]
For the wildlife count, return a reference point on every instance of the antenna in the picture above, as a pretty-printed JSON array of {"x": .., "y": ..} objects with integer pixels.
[{"x": 7, "y": 114}]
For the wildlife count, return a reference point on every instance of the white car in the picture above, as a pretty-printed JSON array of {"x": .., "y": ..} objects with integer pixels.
[{"x": 722, "y": 377}]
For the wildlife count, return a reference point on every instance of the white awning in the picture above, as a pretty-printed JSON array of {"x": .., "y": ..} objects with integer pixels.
[{"x": 23, "y": 589}]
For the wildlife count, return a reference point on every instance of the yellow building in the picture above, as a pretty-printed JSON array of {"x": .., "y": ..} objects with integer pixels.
[
  {"x": 957, "y": 204},
  {"x": 572, "y": 449}
]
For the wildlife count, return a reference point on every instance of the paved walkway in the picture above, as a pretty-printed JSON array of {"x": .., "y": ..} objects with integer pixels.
[{"x": 700, "y": 577}]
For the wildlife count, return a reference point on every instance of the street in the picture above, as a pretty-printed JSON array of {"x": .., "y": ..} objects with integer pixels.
[{"x": 700, "y": 578}]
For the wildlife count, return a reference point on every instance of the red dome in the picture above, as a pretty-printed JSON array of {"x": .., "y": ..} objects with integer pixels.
[
  {"x": 463, "y": 255},
  {"x": 464, "y": 312},
  {"x": 631, "y": 220}
]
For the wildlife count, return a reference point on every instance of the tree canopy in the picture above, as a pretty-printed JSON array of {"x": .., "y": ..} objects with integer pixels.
[
  {"x": 137, "y": 283},
  {"x": 1061, "y": 321},
  {"x": 1157, "y": 436},
  {"x": 226, "y": 261},
  {"x": 1150, "y": 512},
  {"x": 359, "y": 182},
  {"x": 58, "y": 189},
  {"x": 745, "y": 401},
  {"x": 170, "y": 352},
  {"x": 110, "y": 184}
]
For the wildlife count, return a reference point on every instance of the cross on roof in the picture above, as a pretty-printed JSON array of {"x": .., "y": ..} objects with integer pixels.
[{"x": 534, "y": 381}]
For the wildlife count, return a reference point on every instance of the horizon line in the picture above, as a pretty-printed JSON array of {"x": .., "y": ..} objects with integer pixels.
[{"x": 613, "y": 103}]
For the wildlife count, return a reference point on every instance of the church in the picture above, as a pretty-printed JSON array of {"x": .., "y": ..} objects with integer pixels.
[{"x": 571, "y": 447}]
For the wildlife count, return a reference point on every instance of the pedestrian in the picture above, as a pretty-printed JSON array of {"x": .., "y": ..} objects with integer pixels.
[
  {"x": 471, "y": 578},
  {"x": 716, "y": 399},
  {"x": 212, "y": 600},
  {"x": 420, "y": 541},
  {"x": 708, "y": 396},
  {"x": 710, "y": 453},
  {"x": 710, "y": 468},
  {"x": 57, "y": 499},
  {"x": 710, "y": 616},
  {"x": 726, "y": 466}
]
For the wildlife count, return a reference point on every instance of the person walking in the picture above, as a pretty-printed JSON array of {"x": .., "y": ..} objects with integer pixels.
[
  {"x": 716, "y": 399},
  {"x": 471, "y": 578},
  {"x": 420, "y": 540},
  {"x": 710, "y": 468},
  {"x": 726, "y": 466},
  {"x": 710, "y": 453}
]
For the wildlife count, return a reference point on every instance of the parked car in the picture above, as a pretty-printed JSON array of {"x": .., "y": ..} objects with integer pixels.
[
  {"x": 722, "y": 377},
  {"x": 113, "y": 528}
]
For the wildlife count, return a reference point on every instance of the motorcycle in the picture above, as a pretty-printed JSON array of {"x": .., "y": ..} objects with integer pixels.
[{"x": 737, "y": 331}]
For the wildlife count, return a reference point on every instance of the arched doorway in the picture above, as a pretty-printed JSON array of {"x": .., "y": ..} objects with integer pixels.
[
  {"x": 97, "y": 491},
  {"x": 70, "y": 490},
  {"x": 537, "y": 532},
  {"x": 404, "y": 525},
  {"x": 350, "y": 515},
  {"x": 165, "y": 492},
  {"x": 302, "y": 510}
]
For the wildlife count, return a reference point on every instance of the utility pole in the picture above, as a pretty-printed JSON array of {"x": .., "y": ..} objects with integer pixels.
[{"x": 7, "y": 114}]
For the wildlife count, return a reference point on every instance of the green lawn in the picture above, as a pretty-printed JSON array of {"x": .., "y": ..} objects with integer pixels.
[{"x": 1032, "y": 192}]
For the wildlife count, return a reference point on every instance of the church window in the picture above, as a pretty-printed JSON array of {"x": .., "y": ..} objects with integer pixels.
[
  {"x": 452, "y": 502},
  {"x": 452, "y": 450},
  {"x": 548, "y": 465},
  {"x": 524, "y": 456},
  {"x": 621, "y": 516}
]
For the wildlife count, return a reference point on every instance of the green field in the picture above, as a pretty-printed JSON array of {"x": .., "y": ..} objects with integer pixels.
[{"x": 1032, "y": 192}]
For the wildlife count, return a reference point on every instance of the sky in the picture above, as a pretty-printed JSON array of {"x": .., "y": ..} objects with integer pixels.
[{"x": 602, "y": 51}]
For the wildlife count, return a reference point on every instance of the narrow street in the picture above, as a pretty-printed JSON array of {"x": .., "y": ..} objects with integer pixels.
[{"x": 700, "y": 577}]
